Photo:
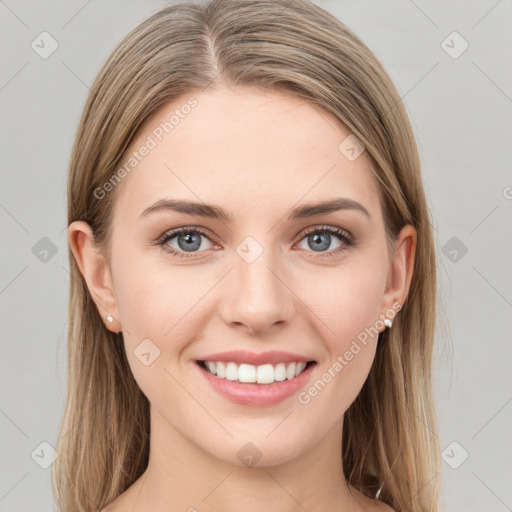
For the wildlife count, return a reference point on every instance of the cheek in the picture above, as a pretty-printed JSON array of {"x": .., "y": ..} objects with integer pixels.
[
  {"x": 346, "y": 302},
  {"x": 153, "y": 299},
  {"x": 162, "y": 310},
  {"x": 347, "y": 308},
  {"x": 155, "y": 307}
]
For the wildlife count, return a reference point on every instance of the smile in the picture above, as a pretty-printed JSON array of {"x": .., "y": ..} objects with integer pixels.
[
  {"x": 255, "y": 385},
  {"x": 248, "y": 373}
]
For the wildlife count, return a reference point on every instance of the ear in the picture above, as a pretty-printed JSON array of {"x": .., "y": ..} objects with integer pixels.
[
  {"x": 94, "y": 267},
  {"x": 400, "y": 276}
]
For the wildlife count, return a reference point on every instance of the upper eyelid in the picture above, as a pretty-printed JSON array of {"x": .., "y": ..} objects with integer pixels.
[
  {"x": 171, "y": 233},
  {"x": 320, "y": 227}
]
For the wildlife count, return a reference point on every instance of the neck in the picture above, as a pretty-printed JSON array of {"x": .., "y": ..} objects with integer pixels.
[{"x": 182, "y": 476}]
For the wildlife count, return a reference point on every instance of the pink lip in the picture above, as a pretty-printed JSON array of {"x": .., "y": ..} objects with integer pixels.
[
  {"x": 256, "y": 394},
  {"x": 244, "y": 356}
]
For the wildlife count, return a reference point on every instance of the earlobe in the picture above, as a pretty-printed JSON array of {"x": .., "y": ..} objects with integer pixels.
[{"x": 95, "y": 269}]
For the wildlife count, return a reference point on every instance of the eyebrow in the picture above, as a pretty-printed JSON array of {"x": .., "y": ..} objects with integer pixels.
[{"x": 216, "y": 212}]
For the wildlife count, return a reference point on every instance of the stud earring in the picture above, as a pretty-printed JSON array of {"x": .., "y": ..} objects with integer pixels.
[
  {"x": 388, "y": 322},
  {"x": 110, "y": 319}
]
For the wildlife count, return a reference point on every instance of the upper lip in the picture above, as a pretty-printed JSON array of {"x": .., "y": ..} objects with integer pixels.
[{"x": 256, "y": 359}]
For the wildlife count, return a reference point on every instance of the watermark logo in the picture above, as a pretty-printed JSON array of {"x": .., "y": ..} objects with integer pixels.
[
  {"x": 146, "y": 352},
  {"x": 44, "y": 45},
  {"x": 454, "y": 249},
  {"x": 351, "y": 147},
  {"x": 454, "y": 455},
  {"x": 44, "y": 455},
  {"x": 249, "y": 249},
  {"x": 44, "y": 250},
  {"x": 454, "y": 45},
  {"x": 249, "y": 454}
]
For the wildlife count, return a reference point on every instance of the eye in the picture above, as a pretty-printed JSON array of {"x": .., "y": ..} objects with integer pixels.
[
  {"x": 320, "y": 238},
  {"x": 188, "y": 240}
]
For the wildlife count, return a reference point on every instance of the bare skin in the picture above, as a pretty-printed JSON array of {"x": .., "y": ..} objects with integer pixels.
[
  {"x": 125, "y": 502},
  {"x": 258, "y": 155}
]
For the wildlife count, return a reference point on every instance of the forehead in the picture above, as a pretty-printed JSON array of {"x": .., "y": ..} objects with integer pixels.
[{"x": 245, "y": 148}]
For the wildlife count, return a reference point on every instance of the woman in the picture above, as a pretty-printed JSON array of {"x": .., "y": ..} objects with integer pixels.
[{"x": 253, "y": 289}]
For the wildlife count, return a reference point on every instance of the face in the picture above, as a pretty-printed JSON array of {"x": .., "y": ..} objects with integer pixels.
[{"x": 260, "y": 280}]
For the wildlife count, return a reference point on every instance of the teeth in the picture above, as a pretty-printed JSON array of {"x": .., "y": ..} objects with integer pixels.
[
  {"x": 290, "y": 371},
  {"x": 263, "y": 374},
  {"x": 246, "y": 372},
  {"x": 231, "y": 371},
  {"x": 221, "y": 370}
]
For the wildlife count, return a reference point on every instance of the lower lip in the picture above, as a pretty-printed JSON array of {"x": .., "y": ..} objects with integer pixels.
[{"x": 256, "y": 394}]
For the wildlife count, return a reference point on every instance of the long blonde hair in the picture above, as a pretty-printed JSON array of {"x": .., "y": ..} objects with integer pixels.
[{"x": 390, "y": 436}]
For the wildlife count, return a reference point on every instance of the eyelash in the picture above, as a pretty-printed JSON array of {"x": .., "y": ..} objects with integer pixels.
[{"x": 341, "y": 234}]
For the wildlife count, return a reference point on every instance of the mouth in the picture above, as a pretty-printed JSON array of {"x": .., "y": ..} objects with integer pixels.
[
  {"x": 260, "y": 385},
  {"x": 264, "y": 374}
]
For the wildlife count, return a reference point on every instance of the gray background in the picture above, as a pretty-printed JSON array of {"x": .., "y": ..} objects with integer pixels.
[{"x": 460, "y": 109}]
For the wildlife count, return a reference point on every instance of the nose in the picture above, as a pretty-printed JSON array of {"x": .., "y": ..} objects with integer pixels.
[{"x": 257, "y": 298}]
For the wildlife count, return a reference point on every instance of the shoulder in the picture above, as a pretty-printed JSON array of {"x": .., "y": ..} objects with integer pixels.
[
  {"x": 371, "y": 504},
  {"x": 125, "y": 501},
  {"x": 114, "y": 506},
  {"x": 108, "y": 508},
  {"x": 383, "y": 507},
  {"x": 117, "y": 505}
]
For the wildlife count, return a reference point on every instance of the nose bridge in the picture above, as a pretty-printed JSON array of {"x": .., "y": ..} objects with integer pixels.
[{"x": 258, "y": 297}]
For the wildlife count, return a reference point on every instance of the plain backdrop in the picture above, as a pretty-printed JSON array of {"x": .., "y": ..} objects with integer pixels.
[{"x": 450, "y": 61}]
